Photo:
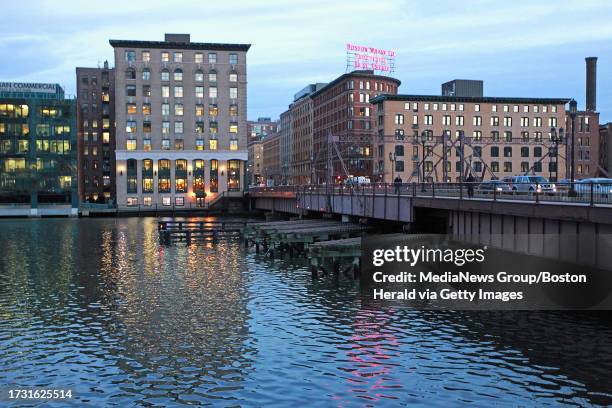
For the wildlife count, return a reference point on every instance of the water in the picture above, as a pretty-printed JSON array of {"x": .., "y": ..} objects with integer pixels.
[{"x": 99, "y": 307}]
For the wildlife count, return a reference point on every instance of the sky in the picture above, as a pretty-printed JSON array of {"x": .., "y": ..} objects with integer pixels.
[{"x": 519, "y": 48}]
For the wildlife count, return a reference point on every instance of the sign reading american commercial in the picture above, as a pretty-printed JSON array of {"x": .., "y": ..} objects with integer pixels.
[
  {"x": 360, "y": 57},
  {"x": 27, "y": 87}
]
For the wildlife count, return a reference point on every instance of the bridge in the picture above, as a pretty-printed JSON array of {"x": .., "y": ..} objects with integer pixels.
[{"x": 568, "y": 222}]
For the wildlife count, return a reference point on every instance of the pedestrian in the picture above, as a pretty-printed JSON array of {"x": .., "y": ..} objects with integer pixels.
[
  {"x": 397, "y": 183},
  {"x": 470, "y": 188}
]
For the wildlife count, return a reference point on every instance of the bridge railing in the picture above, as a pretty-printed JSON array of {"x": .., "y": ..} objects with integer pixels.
[{"x": 599, "y": 193}]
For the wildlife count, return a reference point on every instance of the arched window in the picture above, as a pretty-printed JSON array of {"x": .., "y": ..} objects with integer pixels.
[
  {"x": 130, "y": 73},
  {"x": 132, "y": 176},
  {"x": 178, "y": 74},
  {"x": 147, "y": 176},
  {"x": 199, "y": 76},
  {"x": 212, "y": 76},
  {"x": 165, "y": 75}
]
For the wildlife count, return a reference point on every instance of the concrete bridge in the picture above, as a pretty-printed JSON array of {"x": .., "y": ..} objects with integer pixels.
[{"x": 558, "y": 224}]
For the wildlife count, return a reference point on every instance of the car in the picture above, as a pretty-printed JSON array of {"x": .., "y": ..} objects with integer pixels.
[
  {"x": 600, "y": 186},
  {"x": 493, "y": 186},
  {"x": 532, "y": 184}
]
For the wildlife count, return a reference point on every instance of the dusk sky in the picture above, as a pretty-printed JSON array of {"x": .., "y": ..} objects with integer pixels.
[{"x": 519, "y": 48}]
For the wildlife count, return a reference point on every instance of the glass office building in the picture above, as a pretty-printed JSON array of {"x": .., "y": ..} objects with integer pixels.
[{"x": 38, "y": 157}]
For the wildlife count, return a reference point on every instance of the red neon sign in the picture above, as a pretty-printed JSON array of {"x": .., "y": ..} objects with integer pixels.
[{"x": 370, "y": 58}]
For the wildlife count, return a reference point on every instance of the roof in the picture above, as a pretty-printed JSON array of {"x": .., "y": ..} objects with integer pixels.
[
  {"x": 355, "y": 74},
  {"x": 179, "y": 45},
  {"x": 482, "y": 99}
]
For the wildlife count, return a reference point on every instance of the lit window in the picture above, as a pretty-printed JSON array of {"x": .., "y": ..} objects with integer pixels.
[
  {"x": 178, "y": 74},
  {"x": 130, "y": 126},
  {"x": 199, "y": 110},
  {"x": 130, "y": 144},
  {"x": 178, "y": 91},
  {"x": 212, "y": 92},
  {"x": 131, "y": 108},
  {"x": 233, "y": 144},
  {"x": 199, "y": 58},
  {"x": 233, "y": 127},
  {"x": 180, "y": 201},
  {"x": 165, "y": 56},
  {"x": 233, "y": 93},
  {"x": 146, "y": 108},
  {"x": 199, "y": 144},
  {"x": 179, "y": 144},
  {"x": 178, "y": 56},
  {"x": 213, "y": 110},
  {"x": 166, "y": 201},
  {"x": 146, "y": 56},
  {"x": 165, "y": 91},
  {"x": 233, "y": 77},
  {"x": 146, "y": 145},
  {"x": 233, "y": 110},
  {"x": 178, "y": 109},
  {"x": 213, "y": 144}
]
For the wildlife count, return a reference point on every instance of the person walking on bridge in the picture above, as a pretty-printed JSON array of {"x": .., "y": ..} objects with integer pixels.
[
  {"x": 470, "y": 188},
  {"x": 397, "y": 183}
]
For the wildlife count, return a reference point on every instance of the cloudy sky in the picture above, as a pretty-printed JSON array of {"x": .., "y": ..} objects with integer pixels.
[{"x": 519, "y": 48}]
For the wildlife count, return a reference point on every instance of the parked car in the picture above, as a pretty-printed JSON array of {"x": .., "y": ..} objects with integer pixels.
[
  {"x": 357, "y": 180},
  {"x": 493, "y": 186},
  {"x": 563, "y": 185},
  {"x": 601, "y": 187},
  {"x": 532, "y": 184}
]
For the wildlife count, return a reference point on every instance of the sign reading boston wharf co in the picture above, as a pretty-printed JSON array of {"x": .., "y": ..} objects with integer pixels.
[
  {"x": 359, "y": 57},
  {"x": 27, "y": 87}
]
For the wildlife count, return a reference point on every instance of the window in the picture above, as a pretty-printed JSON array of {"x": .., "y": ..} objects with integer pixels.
[
  {"x": 507, "y": 151},
  {"x": 494, "y": 167},
  {"x": 524, "y": 151},
  {"x": 212, "y": 76},
  {"x": 212, "y": 144},
  {"x": 524, "y": 121},
  {"x": 165, "y": 127},
  {"x": 179, "y": 201},
  {"x": 399, "y": 119},
  {"x": 429, "y": 119},
  {"x": 131, "y": 201},
  {"x": 214, "y": 176},
  {"x": 166, "y": 200},
  {"x": 146, "y": 108},
  {"x": 165, "y": 75},
  {"x": 212, "y": 57},
  {"x": 199, "y": 76},
  {"x": 199, "y": 144},
  {"x": 213, "y": 110},
  {"x": 165, "y": 91},
  {"x": 198, "y": 58},
  {"x": 477, "y": 107},
  {"x": 130, "y": 73},
  {"x": 477, "y": 120},
  {"x": 525, "y": 136},
  {"x": 178, "y": 127},
  {"x": 552, "y": 122},
  {"x": 233, "y": 144},
  {"x": 459, "y": 120},
  {"x": 179, "y": 144},
  {"x": 494, "y": 151},
  {"x": 233, "y": 110},
  {"x": 508, "y": 121},
  {"x": 508, "y": 167},
  {"x": 146, "y": 56},
  {"x": 446, "y": 120},
  {"x": 178, "y": 56},
  {"x": 212, "y": 92},
  {"x": 130, "y": 55},
  {"x": 537, "y": 151},
  {"x": 515, "y": 108},
  {"x": 233, "y": 77},
  {"x": 165, "y": 144},
  {"x": 131, "y": 108},
  {"x": 524, "y": 167},
  {"x": 130, "y": 126},
  {"x": 178, "y": 91},
  {"x": 477, "y": 135},
  {"x": 233, "y": 93},
  {"x": 146, "y": 126},
  {"x": 178, "y": 74},
  {"x": 199, "y": 110},
  {"x": 146, "y": 145},
  {"x": 508, "y": 136},
  {"x": 130, "y": 90},
  {"x": 146, "y": 91},
  {"x": 199, "y": 92},
  {"x": 178, "y": 109},
  {"x": 537, "y": 122},
  {"x": 494, "y": 120},
  {"x": 130, "y": 144},
  {"x": 537, "y": 167},
  {"x": 165, "y": 56},
  {"x": 233, "y": 127},
  {"x": 165, "y": 109},
  {"x": 199, "y": 127}
]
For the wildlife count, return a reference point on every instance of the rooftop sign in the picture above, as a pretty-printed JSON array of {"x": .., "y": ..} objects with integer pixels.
[
  {"x": 27, "y": 87},
  {"x": 360, "y": 57}
]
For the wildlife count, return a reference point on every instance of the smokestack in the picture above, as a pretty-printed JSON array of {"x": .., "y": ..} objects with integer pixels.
[{"x": 591, "y": 83}]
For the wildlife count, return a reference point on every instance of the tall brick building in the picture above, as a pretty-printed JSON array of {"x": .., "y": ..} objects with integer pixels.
[{"x": 96, "y": 133}]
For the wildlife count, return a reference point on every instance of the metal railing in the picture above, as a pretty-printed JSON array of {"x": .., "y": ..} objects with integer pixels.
[{"x": 546, "y": 192}]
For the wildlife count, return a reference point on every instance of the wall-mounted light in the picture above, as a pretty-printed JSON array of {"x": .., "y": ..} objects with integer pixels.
[
  {"x": 121, "y": 172},
  {"x": 155, "y": 172}
]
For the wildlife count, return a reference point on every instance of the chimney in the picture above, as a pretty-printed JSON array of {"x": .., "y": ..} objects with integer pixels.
[{"x": 591, "y": 83}]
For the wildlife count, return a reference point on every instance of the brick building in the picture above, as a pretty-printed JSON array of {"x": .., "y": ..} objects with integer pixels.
[
  {"x": 488, "y": 136},
  {"x": 271, "y": 159},
  {"x": 96, "y": 133}
]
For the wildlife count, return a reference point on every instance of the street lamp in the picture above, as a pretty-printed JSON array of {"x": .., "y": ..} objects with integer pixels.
[
  {"x": 392, "y": 159},
  {"x": 573, "y": 108},
  {"x": 557, "y": 138}
]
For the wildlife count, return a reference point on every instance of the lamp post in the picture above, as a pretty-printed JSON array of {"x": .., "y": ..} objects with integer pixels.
[
  {"x": 557, "y": 138},
  {"x": 392, "y": 159},
  {"x": 573, "y": 108}
]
